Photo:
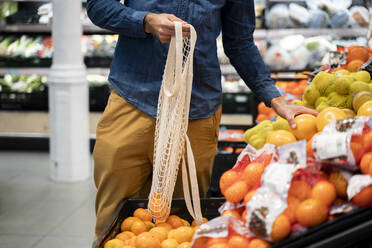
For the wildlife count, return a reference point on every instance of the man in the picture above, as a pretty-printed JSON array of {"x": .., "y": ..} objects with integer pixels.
[{"x": 125, "y": 134}]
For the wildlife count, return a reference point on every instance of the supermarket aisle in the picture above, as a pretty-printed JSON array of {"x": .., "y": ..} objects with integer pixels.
[{"x": 38, "y": 213}]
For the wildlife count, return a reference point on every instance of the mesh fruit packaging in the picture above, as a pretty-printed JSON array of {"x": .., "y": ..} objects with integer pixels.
[
  {"x": 245, "y": 176},
  {"x": 343, "y": 143}
]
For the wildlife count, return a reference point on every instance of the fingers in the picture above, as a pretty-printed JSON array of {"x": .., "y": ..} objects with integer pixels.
[
  {"x": 292, "y": 122},
  {"x": 304, "y": 110}
]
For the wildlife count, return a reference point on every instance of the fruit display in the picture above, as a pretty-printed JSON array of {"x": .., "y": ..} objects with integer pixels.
[
  {"x": 140, "y": 231},
  {"x": 281, "y": 189}
]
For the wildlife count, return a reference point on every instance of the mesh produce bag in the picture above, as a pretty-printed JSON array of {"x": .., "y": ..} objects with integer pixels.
[{"x": 172, "y": 146}]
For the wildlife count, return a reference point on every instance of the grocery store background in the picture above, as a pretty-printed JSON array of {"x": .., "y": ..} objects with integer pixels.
[{"x": 49, "y": 107}]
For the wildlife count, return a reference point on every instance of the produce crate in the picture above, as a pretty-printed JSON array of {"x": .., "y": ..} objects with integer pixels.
[
  {"x": 236, "y": 103},
  {"x": 126, "y": 208},
  {"x": 24, "y": 101},
  {"x": 104, "y": 61}
]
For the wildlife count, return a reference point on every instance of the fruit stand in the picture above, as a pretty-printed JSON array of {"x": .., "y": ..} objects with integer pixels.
[{"x": 309, "y": 186}]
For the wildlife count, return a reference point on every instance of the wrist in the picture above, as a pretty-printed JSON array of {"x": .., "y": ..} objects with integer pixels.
[
  {"x": 277, "y": 101},
  {"x": 147, "y": 22}
]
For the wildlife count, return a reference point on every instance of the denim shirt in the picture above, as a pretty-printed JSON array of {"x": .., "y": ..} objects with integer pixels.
[{"x": 139, "y": 59}]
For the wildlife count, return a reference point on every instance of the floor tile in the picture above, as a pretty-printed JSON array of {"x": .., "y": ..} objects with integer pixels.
[
  {"x": 18, "y": 241},
  {"x": 64, "y": 242}
]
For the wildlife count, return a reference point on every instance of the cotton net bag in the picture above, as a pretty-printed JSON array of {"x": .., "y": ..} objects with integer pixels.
[{"x": 172, "y": 146}]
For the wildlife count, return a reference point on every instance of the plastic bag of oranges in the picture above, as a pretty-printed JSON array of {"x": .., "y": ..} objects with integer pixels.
[
  {"x": 343, "y": 142},
  {"x": 226, "y": 231},
  {"x": 264, "y": 211},
  {"x": 359, "y": 190},
  {"x": 246, "y": 174}
]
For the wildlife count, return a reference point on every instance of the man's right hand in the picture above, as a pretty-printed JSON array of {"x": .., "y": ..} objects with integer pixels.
[{"x": 162, "y": 26}]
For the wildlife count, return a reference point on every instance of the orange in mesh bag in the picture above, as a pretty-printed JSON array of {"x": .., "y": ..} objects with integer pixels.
[{"x": 171, "y": 141}]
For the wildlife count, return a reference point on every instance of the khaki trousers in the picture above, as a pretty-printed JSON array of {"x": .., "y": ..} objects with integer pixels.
[{"x": 123, "y": 155}]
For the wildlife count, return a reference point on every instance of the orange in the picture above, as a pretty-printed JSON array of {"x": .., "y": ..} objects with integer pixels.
[
  {"x": 185, "y": 245},
  {"x": 357, "y": 149},
  {"x": 252, "y": 174},
  {"x": 175, "y": 221},
  {"x": 367, "y": 141},
  {"x": 244, "y": 215},
  {"x": 138, "y": 227},
  {"x": 146, "y": 240},
  {"x": 366, "y": 162},
  {"x": 237, "y": 241},
  {"x": 311, "y": 212},
  {"x": 363, "y": 198},
  {"x": 159, "y": 232},
  {"x": 131, "y": 242},
  {"x": 169, "y": 243},
  {"x": 124, "y": 235},
  {"x": 349, "y": 113},
  {"x": 185, "y": 222},
  {"x": 114, "y": 243},
  {"x": 365, "y": 109},
  {"x": 281, "y": 228},
  {"x": 261, "y": 117},
  {"x": 340, "y": 183},
  {"x": 216, "y": 241},
  {"x": 167, "y": 226},
  {"x": 354, "y": 65},
  {"x": 142, "y": 214},
  {"x": 305, "y": 127},
  {"x": 158, "y": 207},
  {"x": 309, "y": 146},
  {"x": 149, "y": 224},
  {"x": 195, "y": 229},
  {"x": 327, "y": 115},
  {"x": 280, "y": 137},
  {"x": 222, "y": 245},
  {"x": 205, "y": 220},
  {"x": 262, "y": 109},
  {"x": 231, "y": 213},
  {"x": 227, "y": 179},
  {"x": 258, "y": 243},
  {"x": 181, "y": 234},
  {"x": 236, "y": 192},
  {"x": 249, "y": 195},
  {"x": 290, "y": 211},
  {"x": 357, "y": 53},
  {"x": 300, "y": 189},
  {"x": 127, "y": 223},
  {"x": 324, "y": 191}
]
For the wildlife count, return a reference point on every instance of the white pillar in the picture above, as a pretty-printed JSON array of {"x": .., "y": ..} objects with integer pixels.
[{"x": 68, "y": 97}]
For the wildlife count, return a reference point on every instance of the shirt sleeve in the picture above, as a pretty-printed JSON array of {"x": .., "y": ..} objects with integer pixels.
[
  {"x": 238, "y": 25},
  {"x": 114, "y": 16}
]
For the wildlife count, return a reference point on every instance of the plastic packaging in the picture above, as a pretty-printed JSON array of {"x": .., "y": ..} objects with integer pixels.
[
  {"x": 278, "y": 17},
  {"x": 359, "y": 16},
  {"x": 300, "y": 16},
  {"x": 341, "y": 142},
  {"x": 277, "y": 57}
]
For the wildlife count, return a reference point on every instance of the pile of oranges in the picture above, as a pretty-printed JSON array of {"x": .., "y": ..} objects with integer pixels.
[{"x": 138, "y": 231}]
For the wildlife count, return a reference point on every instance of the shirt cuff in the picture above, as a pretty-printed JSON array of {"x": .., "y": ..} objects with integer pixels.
[
  {"x": 267, "y": 94},
  {"x": 137, "y": 20}
]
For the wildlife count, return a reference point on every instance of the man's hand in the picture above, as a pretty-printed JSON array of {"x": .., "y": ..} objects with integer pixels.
[
  {"x": 290, "y": 111},
  {"x": 162, "y": 26}
]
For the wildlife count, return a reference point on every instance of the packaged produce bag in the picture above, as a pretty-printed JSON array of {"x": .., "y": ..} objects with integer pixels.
[
  {"x": 172, "y": 146},
  {"x": 341, "y": 142}
]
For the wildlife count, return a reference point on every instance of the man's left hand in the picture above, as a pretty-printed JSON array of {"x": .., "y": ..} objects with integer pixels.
[{"x": 290, "y": 111}]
